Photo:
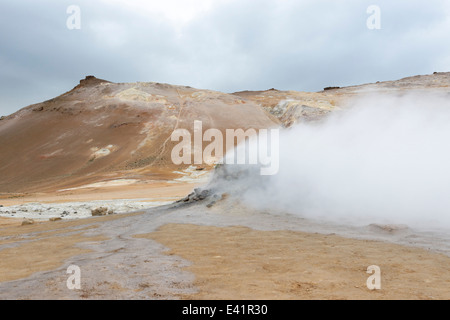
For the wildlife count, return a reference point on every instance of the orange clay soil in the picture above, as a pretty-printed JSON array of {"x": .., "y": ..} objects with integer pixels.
[
  {"x": 241, "y": 263},
  {"x": 49, "y": 245}
]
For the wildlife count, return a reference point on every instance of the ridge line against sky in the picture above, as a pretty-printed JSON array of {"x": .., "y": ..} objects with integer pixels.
[{"x": 223, "y": 45}]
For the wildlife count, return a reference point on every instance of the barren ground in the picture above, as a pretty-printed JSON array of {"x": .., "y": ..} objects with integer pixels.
[
  {"x": 103, "y": 141},
  {"x": 194, "y": 252},
  {"x": 241, "y": 263}
]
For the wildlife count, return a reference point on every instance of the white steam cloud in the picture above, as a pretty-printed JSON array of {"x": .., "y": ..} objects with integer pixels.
[{"x": 384, "y": 159}]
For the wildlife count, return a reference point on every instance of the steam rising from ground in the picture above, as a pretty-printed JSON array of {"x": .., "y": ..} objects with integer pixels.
[{"x": 382, "y": 160}]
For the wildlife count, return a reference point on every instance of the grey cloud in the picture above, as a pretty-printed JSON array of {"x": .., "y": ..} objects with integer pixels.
[{"x": 238, "y": 45}]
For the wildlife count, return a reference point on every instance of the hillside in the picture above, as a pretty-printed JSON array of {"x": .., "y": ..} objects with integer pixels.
[
  {"x": 290, "y": 107},
  {"x": 104, "y": 131},
  {"x": 100, "y": 131}
]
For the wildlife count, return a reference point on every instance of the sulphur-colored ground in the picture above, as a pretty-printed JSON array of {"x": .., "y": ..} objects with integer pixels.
[
  {"x": 43, "y": 246},
  {"x": 46, "y": 245},
  {"x": 226, "y": 262},
  {"x": 241, "y": 263}
]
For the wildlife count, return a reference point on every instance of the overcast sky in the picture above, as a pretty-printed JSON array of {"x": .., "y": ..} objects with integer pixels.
[{"x": 225, "y": 45}]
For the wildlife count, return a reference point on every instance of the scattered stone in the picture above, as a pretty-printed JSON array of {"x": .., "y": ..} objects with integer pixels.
[
  {"x": 55, "y": 219},
  {"x": 38, "y": 109},
  {"x": 200, "y": 194},
  {"x": 388, "y": 228},
  {"x": 215, "y": 198},
  {"x": 1, "y": 206},
  {"x": 330, "y": 88},
  {"x": 101, "y": 211},
  {"x": 110, "y": 211},
  {"x": 203, "y": 195},
  {"x": 27, "y": 221},
  {"x": 197, "y": 195}
]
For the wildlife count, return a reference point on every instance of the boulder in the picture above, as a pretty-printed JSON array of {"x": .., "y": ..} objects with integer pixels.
[
  {"x": 101, "y": 211},
  {"x": 331, "y": 88},
  {"x": 27, "y": 221}
]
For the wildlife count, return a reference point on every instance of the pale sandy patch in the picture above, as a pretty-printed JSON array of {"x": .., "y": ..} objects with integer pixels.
[
  {"x": 104, "y": 184},
  {"x": 145, "y": 190}
]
